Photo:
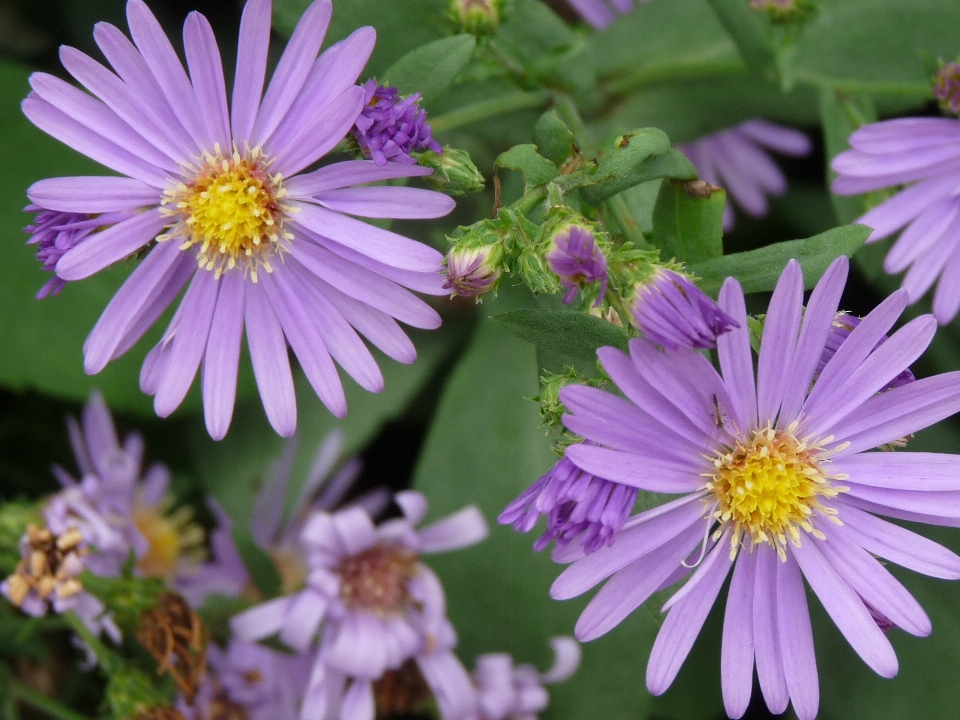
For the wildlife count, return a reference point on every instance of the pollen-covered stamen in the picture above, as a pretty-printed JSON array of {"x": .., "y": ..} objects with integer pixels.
[
  {"x": 376, "y": 579},
  {"x": 232, "y": 209},
  {"x": 770, "y": 485}
]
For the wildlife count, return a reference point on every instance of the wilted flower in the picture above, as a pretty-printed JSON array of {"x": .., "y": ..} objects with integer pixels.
[
  {"x": 737, "y": 160},
  {"x": 219, "y": 201},
  {"x": 923, "y": 153},
  {"x": 670, "y": 310},
  {"x": 776, "y": 486},
  {"x": 391, "y": 127}
]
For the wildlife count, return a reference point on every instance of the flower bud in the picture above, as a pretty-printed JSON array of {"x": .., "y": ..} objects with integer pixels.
[
  {"x": 946, "y": 87},
  {"x": 475, "y": 262},
  {"x": 575, "y": 255},
  {"x": 453, "y": 171},
  {"x": 477, "y": 17},
  {"x": 781, "y": 11},
  {"x": 670, "y": 310}
]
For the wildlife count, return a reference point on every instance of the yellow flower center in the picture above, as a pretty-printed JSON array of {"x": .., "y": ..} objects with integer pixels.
[
  {"x": 231, "y": 209},
  {"x": 171, "y": 537},
  {"x": 769, "y": 486}
]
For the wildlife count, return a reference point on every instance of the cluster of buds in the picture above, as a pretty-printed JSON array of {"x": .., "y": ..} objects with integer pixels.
[
  {"x": 477, "y": 17},
  {"x": 946, "y": 87},
  {"x": 782, "y": 11},
  {"x": 48, "y": 570}
]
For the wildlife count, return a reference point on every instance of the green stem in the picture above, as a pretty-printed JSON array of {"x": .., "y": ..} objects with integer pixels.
[
  {"x": 107, "y": 659},
  {"x": 567, "y": 111},
  {"x": 918, "y": 90},
  {"x": 41, "y": 702},
  {"x": 490, "y": 108},
  {"x": 694, "y": 68}
]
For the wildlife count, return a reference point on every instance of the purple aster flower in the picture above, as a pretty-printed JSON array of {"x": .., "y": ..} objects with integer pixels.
[
  {"x": 471, "y": 272},
  {"x": 220, "y": 198},
  {"x": 120, "y": 509},
  {"x": 946, "y": 87},
  {"x": 372, "y": 602},
  {"x": 737, "y": 160},
  {"x": 923, "y": 153},
  {"x": 600, "y": 13},
  {"x": 843, "y": 325},
  {"x": 576, "y": 258},
  {"x": 507, "y": 692},
  {"x": 391, "y": 127},
  {"x": 776, "y": 485},
  {"x": 580, "y": 508},
  {"x": 670, "y": 310},
  {"x": 246, "y": 680},
  {"x": 56, "y": 232}
]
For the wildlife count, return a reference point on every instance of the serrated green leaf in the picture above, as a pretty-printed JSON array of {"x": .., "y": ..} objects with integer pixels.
[
  {"x": 485, "y": 437},
  {"x": 553, "y": 138},
  {"x": 686, "y": 226},
  {"x": 536, "y": 169},
  {"x": 759, "y": 270},
  {"x": 564, "y": 331},
  {"x": 432, "y": 68},
  {"x": 639, "y": 156}
]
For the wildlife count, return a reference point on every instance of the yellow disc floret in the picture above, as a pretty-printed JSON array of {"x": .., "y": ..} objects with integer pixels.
[
  {"x": 175, "y": 542},
  {"x": 769, "y": 486},
  {"x": 231, "y": 209}
]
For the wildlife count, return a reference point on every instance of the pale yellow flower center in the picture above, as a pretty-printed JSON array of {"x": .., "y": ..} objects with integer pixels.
[
  {"x": 171, "y": 538},
  {"x": 769, "y": 486},
  {"x": 232, "y": 209}
]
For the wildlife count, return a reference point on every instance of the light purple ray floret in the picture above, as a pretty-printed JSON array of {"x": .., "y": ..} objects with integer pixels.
[
  {"x": 924, "y": 154},
  {"x": 678, "y": 416},
  {"x": 314, "y": 279},
  {"x": 112, "y": 489},
  {"x": 580, "y": 508},
  {"x": 577, "y": 260},
  {"x": 600, "y": 13},
  {"x": 509, "y": 692},
  {"x": 251, "y": 681},
  {"x": 670, "y": 310},
  {"x": 843, "y": 325},
  {"x": 369, "y": 605},
  {"x": 738, "y": 160},
  {"x": 391, "y": 127}
]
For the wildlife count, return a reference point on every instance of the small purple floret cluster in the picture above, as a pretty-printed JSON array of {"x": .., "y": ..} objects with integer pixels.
[
  {"x": 391, "y": 127},
  {"x": 577, "y": 260}
]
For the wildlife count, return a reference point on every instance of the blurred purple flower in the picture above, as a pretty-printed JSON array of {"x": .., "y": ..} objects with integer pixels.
[
  {"x": 219, "y": 197},
  {"x": 580, "y": 508},
  {"x": 737, "y": 160},
  {"x": 373, "y": 604},
  {"x": 776, "y": 487},
  {"x": 391, "y": 127},
  {"x": 923, "y": 153},
  {"x": 670, "y": 310},
  {"x": 600, "y": 13}
]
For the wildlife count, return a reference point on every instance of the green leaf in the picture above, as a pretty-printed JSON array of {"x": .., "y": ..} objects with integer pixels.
[
  {"x": 536, "y": 169},
  {"x": 750, "y": 33},
  {"x": 638, "y": 157},
  {"x": 553, "y": 138},
  {"x": 535, "y": 35},
  {"x": 840, "y": 115},
  {"x": 263, "y": 571},
  {"x": 565, "y": 331},
  {"x": 432, "y": 68},
  {"x": 759, "y": 270},
  {"x": 688, "y": 221},
  {"x": 485, "y": 437}
]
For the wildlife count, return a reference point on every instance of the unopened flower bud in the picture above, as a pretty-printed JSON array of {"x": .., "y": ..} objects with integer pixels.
[
  {"x": 477, "y": 17},
  {"x": 472, "y": 272},
  {"x": 784, "y": 10},
  {"x": 946, "y": 87},
  {"x": 575, "y": 256},
  {"x": 670, "y": 310},
  {"x": 453, "y": 171}
]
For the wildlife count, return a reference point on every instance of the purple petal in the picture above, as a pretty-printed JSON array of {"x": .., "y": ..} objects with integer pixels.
[
  {"x": 261, "y": 620},
  {"x": 108, "y": 246},
  {"x": 251, "y": 68},
  {"x": 796, "y": 641},
  {"x": 95, "y": 194},
  {"x": 736, "y": 358},
  {"x": 387, "y": 202},
  {"x": 893, "y": 214},
  {"x": 923, "y": 234},
  {"x": 348, "y": 173},
  {"x": 302, "y": 619},
  {"x": 206, "y": 71},
  {"x": 644, "y": 472},
  {"x": 777, "y": 137},
  {"x": 779, "y": 341},
  {"x": 462, "y": 529},
  {"x": 271, "y": 364},
  {"x": 902, "y": 470},
  {"x": 358, "y": 702},
  {"x": 944, "y": 504},
  {"x": 222, "y": 356},
  {"x": 766, "y": 633},
  {"x": 736, "y": 655}
]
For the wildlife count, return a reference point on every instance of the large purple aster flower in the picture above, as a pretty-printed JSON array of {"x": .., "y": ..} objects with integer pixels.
[
  {"x": 737, "y": 160},
  {"x": 776, "y": 485},
  {"x": 600, "y": 13},
  {"x": 372, "y": 604},
  {"x": 221, "y": 206},
  {"x": 923, "y": 153}
]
